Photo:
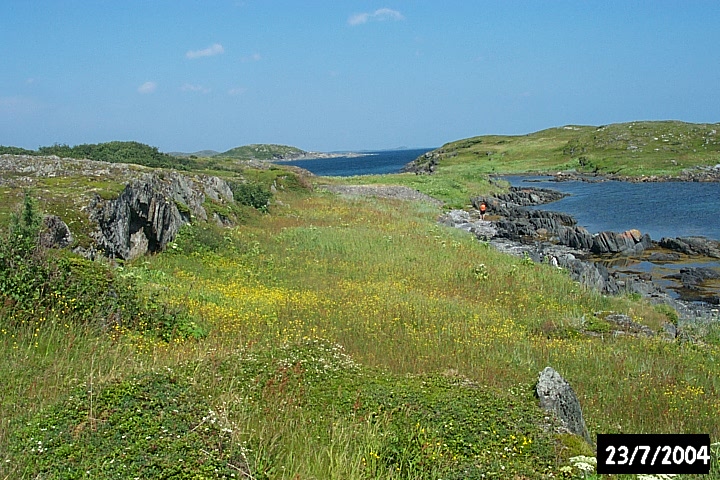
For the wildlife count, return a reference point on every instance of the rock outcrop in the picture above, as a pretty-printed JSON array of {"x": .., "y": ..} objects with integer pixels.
[
  {"x": 557, "y": 396},
  {"x": 55, "y": 233},
  {"x": 518, "y": 223},
  {"x": 692, "y": 246},
  {"x": 553, "y": 237},
  {"x": 630, "y": 242},
  {"x": 149, "y": 212}
]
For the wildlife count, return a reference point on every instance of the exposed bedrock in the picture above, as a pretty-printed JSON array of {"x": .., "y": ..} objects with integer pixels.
[
  {"x": 149, "y": 212},
  {"x": 692, "y": 246}
]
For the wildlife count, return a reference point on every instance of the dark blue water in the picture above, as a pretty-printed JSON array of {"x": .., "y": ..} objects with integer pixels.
[
  {"x": 665, "y": 209},
  {"x": 370, "y": 163}
]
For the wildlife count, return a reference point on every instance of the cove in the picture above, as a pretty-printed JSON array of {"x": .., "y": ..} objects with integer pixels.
[
  {"x": 368, "y": 163},
  {"x": 661, "y": 209}
]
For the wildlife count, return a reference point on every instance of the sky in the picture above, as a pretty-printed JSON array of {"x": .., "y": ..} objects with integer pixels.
[{"x": 335, "y": 75}]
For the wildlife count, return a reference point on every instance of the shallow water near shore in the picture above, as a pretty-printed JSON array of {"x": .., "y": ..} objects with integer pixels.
[{"x": 661, "y": 209}]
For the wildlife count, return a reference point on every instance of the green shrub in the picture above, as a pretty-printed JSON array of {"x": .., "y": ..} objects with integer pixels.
[
  {"x": 152, "y": 426},
  {"x": 251, "y": 194},
  {"x": 39, "y": 286},
  {"x": 198, "y": 238},
  {"x": 669, "y": 312}
]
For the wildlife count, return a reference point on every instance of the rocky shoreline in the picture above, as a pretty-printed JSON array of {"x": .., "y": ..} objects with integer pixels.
[
  {"x": 555, "y": 238},
  {"x": 696, "y": 174}
]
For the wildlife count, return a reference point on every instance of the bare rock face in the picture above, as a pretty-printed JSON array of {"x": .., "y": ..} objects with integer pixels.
[
  {"x": 630, "y": 242},
  {"x": 556, "y": 395},
  {"x": 55, "y": 233},
  {"x": 149, "y": 212}
]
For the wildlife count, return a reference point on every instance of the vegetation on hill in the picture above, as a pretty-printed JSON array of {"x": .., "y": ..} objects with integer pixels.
[
  {"x": 263, "y": 152},
  {"x": 632, "y": 149},
  {"x": 114, "y": 152}
]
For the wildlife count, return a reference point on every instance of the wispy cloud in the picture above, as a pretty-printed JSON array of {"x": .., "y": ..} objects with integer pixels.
[
  {"x": 188, "y": 87},
  {"x": 378, "y": 15},
  {"x": 237, "y": 91},
  {"x": 255, "y": 57},
  {"x": 147, "y": 87},
  {"x": 18, "y": 105},
  {"x": 214, "y": 49}
]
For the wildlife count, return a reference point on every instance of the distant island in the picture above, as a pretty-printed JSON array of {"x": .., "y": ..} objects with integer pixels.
[{"x": 266, "y": 153}]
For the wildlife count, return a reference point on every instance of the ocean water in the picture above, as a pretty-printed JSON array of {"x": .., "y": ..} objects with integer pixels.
[
  {"x": 370, "y": 163},
  {"x": 664, "y": 209}
]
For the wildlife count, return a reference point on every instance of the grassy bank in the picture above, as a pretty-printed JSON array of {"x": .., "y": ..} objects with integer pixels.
[
  {"x": 629, "y": 149},
  {"x": 347, "y": 338}
]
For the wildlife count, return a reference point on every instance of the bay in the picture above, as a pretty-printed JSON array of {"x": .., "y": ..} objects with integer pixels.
[
  {"x": 365, "y": 163},
  {"x": 661, "y": 209}
]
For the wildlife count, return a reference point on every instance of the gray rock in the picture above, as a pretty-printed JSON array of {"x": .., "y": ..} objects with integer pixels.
[
  {"x": 626, "y": 324},
  {"x": 55, "y": 233},
  {"x": 692, "y": 246},
  {"x": 557, "y": 396},
  {"x": 691, "y": 277},
  {"x": 663, "y": 257},
  {"x": 462, "y": 219},
  {"x": 630, "y": 242},
  {"x": 149, "y": 212}
]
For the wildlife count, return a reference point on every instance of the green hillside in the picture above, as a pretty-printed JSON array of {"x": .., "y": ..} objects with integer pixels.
[
  {"x": 631, "y": 149},
  {"x": 264, "y": 152}
]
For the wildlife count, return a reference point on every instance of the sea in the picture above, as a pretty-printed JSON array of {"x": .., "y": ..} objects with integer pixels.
[
  {"x": 661, "y": 209},
  {"x": 363, "y": 163}
]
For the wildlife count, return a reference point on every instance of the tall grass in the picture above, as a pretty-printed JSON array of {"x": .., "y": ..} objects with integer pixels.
[
  {"x": 402, "y": 295},
  {"x": 398, "y": 291}
]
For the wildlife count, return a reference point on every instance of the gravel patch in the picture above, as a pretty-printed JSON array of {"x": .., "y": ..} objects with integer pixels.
[{"x": 382, "y": 191}]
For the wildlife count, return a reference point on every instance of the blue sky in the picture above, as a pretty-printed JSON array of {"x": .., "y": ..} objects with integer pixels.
[{"x": 347, "y": 75}]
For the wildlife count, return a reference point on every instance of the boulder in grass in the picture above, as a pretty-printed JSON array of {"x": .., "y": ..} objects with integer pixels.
[
  {"x": 55, "y": 233},
  {"x": 557, "y": 396}
]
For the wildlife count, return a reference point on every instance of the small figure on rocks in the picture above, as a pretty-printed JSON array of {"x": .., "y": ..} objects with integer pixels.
[{"x": 483, "y": 208}]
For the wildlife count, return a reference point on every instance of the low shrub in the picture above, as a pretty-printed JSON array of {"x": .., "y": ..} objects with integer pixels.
[
  {"x": 251, "y": 194},
  {"x": 39, "y": 286}
]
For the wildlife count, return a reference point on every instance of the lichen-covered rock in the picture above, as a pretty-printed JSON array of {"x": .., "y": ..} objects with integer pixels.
[
  {"x": 557, "y": 396},
  {"x": 149, "y": 212}
]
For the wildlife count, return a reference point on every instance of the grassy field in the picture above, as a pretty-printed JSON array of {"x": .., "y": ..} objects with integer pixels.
[
  {"x": 337, "y": 338},
  {"x": 629, "y": 149}
]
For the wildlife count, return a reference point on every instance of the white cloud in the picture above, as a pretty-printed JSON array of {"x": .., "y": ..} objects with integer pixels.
[
  {"x": 237, "y": 91},
  {"x": 214, "y": 49},
  {"x": 188, "y": 87},
  {"x": 147, "y": 87},
  {"x": 378, "y": 15}
]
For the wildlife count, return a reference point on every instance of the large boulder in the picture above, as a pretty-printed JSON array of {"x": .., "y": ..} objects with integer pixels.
[
  {"x": 55, "y": 233},
  {"x": 692, "y": 246},
  {"x": 630, "y": 242},
  {"x": 149, "y": 212},
  {"x": 557, "y": 396},
  {"x": 691, "y": 277},
  {"x": 575, "y": 236}
]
